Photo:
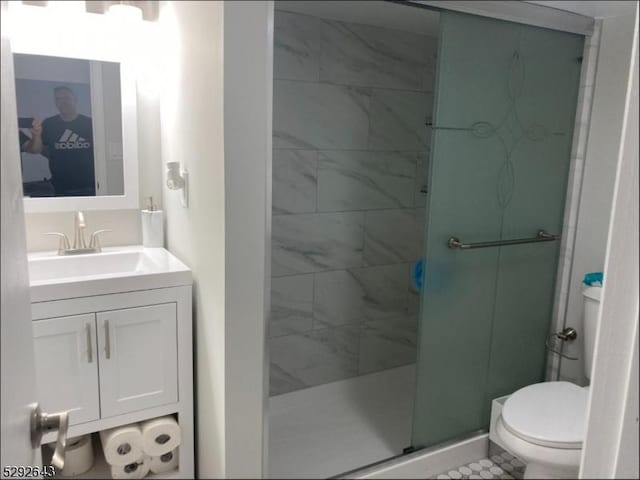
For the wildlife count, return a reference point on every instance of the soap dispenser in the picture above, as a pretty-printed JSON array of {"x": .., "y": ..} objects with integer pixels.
[{"x": 152, "y": 226}]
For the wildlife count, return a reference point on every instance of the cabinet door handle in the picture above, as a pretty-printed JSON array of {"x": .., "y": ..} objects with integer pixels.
[
  {"x": 107, "y": 340},
  {"x": 89, "y": 349}
]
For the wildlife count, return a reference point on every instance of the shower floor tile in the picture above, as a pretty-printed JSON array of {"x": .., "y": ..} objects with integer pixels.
[{"x": 330, "y": 429}]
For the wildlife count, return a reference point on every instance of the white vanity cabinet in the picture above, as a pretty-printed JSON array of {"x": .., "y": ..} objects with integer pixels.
[
  {"x": 138, "y": 358},
  {"x": 67, "y": 366},
  {"x": 104, "y": 364},
  {"x": 115, "y": 349}
]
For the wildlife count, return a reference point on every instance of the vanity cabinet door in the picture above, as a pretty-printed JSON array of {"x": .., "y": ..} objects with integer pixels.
[
  {"x": 67, "y": 366},
  {"x": 138, "y": 358}
]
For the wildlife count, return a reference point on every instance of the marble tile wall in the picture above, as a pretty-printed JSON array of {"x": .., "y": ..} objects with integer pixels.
[{"x": 350, "y": 157}]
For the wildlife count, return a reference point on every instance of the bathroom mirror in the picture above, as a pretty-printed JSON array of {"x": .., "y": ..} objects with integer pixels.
[
  {"x": 76, "y": 108},
  {"x": 69, "y": 126}
]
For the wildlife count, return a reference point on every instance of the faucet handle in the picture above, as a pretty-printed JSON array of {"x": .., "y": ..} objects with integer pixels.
[
  {"x": 64, "y": 241},
  {"x": 95, "y": 240}
]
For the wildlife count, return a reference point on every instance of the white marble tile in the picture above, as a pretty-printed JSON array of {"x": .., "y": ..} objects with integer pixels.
[
  {"x": 430, "y": 69},
  {"x": 316, "y": 357},
  {"x": 384, "y": 290},
  {"x": 413, "y": 302},
  {"x": 387, "y": 343},
  {"x": 316, "y": 116},
  {"x": 317, "y": 258},
  {"x": 356, "y": 54},
  {"x": 358, "y": 180},
  {"x": 393, "y": 236},
  {"x": 291, "y": 305},
  {"x": 282, "y": 382},
  {"x": 338, "y": 299},
  {"x": 422, "y": 183},
  {"x": 360, "y": 294},
  {"x": 306, "y": 243},
  {"x": 398, "y": 120},
  {"x": 413, "y": 298},
  {"x": 296, "y": 42},
  {"x": 294, "y": 181}
]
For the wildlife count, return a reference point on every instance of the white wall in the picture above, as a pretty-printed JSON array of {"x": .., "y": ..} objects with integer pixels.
[
  {"x": 599, "y": 174},
  {"x": 191, "y": 120},
  {"x": 186, "y": 124},
  {"x": 223, "y": 234},
  {"x": 248, "y": 86}
]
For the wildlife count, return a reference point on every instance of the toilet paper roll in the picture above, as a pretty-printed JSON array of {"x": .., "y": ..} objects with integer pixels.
[
  {"x": 138, "y": 469},
  {"x": 160, "y": 436},
  {"x": 78, "y": 456},
  {"x": 165, "y": 463},
  {"x": 122, "y": 445}
]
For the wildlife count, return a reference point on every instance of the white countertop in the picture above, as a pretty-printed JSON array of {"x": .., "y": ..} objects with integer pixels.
[{"x": 114, "y": 270}]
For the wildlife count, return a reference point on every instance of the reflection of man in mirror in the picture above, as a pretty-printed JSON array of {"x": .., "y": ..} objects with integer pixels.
[{"x": 67, "y": 141}]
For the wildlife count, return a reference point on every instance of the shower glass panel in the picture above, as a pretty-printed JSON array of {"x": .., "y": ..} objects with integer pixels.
[{"x": 502, "y": 131}]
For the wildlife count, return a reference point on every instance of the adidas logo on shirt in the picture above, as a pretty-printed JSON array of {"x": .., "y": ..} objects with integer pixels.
[{"x": 69, "y": 140}]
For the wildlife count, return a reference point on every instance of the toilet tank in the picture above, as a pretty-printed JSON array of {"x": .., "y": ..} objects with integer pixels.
[{"x": 590, "y": 320}]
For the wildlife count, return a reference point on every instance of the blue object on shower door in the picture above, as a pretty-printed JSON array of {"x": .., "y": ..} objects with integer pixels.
[{"x": 417, "y": 274}]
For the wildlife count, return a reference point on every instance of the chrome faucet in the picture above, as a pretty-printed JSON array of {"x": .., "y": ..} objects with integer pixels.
[
  {"x": 79, "y": 243},
  {"x": 78, "y": 231}
]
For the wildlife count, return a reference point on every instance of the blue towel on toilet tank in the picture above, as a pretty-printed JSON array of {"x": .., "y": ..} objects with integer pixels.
[{"x": 593, "y": 279}]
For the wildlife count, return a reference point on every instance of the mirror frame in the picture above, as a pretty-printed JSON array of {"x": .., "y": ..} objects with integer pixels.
[{"x": 94, "y": 37}]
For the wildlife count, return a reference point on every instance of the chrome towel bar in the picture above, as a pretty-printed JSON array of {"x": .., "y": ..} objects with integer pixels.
[{"x": 542, "y": 236}]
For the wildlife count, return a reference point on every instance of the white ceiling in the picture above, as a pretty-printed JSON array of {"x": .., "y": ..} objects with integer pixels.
[{"x": 377, "y": 13}]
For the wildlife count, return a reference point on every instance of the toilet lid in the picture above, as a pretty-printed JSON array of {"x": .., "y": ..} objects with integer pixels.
[{"x": 550, "y": 414}]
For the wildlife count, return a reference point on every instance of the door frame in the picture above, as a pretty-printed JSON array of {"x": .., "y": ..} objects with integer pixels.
[{"x": 612, "y": 443}]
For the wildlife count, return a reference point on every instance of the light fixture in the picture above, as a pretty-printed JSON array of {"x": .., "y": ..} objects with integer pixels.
[
  {"x": 178, "y": 179},
  {"x": 67, "y": 6},
  {"x": 126, "y": 12}
]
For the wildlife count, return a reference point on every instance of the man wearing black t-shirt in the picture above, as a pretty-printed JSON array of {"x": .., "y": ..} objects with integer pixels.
[{"x": 67, "y": 141}]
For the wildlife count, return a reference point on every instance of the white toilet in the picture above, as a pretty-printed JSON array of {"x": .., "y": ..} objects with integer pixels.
[{"x": 544, "y": 424}]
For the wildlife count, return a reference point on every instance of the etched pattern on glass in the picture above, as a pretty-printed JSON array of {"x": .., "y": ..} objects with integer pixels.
[{"x": 510, "y": 131}]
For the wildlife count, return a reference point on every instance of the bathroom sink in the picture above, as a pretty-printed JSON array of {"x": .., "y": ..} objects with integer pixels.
[{"x": 114, "y": 270}]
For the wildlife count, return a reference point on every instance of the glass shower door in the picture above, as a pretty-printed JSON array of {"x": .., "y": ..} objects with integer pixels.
[{"x": 503, "y": 127}]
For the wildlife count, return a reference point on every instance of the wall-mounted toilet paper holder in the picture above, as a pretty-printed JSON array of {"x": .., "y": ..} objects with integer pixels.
[{"x": 568, "y": 334}]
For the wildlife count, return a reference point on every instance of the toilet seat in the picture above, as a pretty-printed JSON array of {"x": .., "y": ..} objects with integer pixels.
[
  {"x": 549, "y": 414},
  {"x": 566, "y": 461}
]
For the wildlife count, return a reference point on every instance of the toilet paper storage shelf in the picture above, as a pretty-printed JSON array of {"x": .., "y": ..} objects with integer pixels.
[
  {"x": 102, "y": 470},
  {"x": 116, "y": 359}
]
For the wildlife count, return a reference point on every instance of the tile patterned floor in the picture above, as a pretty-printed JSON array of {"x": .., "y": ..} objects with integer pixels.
[{"x": 499, "y": 465}]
